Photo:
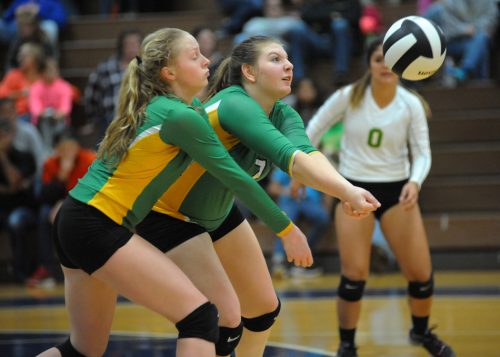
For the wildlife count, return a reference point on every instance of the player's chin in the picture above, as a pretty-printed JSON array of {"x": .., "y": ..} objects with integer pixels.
[{"x": 285, "y": 89}]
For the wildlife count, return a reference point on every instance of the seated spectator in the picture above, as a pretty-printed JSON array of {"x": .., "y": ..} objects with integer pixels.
[
  {"x": 305, "y": 99},
  {"x": 469, "y": 27},
  {"x": 28, "y": 30},
  {"x": 370, "y": 23},
  {"x": 51, "y": 13},
  {"x": 332, "y": 30},
  {"x": 103, "y": 87},
  {"x": 26, "y": 138},
  {"x": 17, "y": 81},
  {"x": 238, "y": 12},
  {"x": 274, "y": 22},
  {"x": 312, "y": 205},
  {"x": 61, "y": 172},
  {"x": 17, "y": 201},
  {"x": 50, "y": 103}
]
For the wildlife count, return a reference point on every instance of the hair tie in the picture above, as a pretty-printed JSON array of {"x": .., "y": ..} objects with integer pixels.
[{"x": 139, "y": 59}]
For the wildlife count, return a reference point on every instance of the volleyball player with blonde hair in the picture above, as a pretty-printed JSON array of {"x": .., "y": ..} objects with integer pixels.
[{"x": 159, "y": 129}]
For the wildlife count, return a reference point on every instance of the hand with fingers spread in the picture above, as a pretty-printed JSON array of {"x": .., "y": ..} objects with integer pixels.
[
  {"x": 296, "y": 247},
  {"x": 409, "y": 195}
]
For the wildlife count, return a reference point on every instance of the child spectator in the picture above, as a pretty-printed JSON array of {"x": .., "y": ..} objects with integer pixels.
[
  {"x": 50, "y": 103},
  {"x": 17, "y": 82},
  {"x": 61, "y": 172}
]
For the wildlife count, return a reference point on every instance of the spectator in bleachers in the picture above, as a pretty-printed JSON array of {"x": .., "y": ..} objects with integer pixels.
[
  {"x": 238, "y": 12},
  {"x": 306, "y": 98},
  {"x": 61, "y": 172},
  {"x": 102, "y": 90},
  {"x": 468, "y": 26},
  {"x": 17, "y": 81},
  {"x": 275, "y": 21},
  {"x": 208, "y": 43},
  {"x": 28, "y": 30},
  {"x": 51, "y": 13},
  {"x": 17, "y": 200},
  {"x": 311, "y": 205},
  {"x": 50, "y": 103},
  {"x": 332, "y": 31},
  {"x": 208, "y": 46},
  {"x": 27, "y": 138},
  {"x": 370, "y": 23}
]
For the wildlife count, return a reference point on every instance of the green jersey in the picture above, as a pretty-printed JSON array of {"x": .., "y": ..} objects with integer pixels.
[
  {"x": 254, "y": 139},
  {"x": 172, "y": 136}
]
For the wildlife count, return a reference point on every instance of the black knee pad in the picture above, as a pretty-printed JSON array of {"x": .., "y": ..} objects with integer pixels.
[
  {"x": 67, "y": 349},
  {"x": 351, "y": 290},
  {"x": 420, "y": 290},
  {"x": 263, "y": 322},
  {"x": 229, "y": 337},
  {"x": 201, "y": 323}
]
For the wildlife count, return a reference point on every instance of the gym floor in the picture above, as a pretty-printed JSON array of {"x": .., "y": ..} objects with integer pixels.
[{"x": 466, "y": 311}]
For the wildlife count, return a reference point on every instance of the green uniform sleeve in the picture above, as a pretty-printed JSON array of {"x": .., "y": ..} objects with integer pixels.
[
  {"x": 291, "y": 125},
  {"x": 245, "y": 119},
  {"x": 276, "y": 140},
  {"x": 194, "y": 135}
]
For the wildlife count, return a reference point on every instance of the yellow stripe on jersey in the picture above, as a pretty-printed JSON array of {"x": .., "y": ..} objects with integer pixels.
[
  {"x": 172, "y": 200},
  {"x": 133, "y": 175},
  {"x": 285, "y": 231},
  {"x": 227, "y": 139}
]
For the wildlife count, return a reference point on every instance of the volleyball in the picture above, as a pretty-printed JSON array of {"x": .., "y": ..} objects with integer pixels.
[{"x": 414, "y": 48}]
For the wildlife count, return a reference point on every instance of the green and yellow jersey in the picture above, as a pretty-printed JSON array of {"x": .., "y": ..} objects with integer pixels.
[
  {"x": 255, "y": 141},
  {"x": 159, "y": 162}
]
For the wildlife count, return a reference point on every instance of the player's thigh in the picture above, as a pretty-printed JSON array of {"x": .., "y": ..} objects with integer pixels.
[
  {"x": 243, "y": 260},
  {"x": 146, "y": 276},
  {"x": 405, "y": 233},
  {"x": 198, "y": 260},
  {"x": 91, "y": 306},
  {"x": 354, "y": 236}
]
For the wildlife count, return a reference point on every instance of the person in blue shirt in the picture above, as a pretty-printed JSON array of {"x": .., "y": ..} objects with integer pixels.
[
  {"x": 51, "y": 13},
  {"x": 311, "y": 205}
]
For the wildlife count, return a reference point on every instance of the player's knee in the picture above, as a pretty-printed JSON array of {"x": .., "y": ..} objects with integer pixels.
[
  {"x": 263, "y": 322},
  {"x": 201, "y": 323},
  {"x": 351, "y": 290},
  {"x": 421, "y": 290},
  {"x": 229, "y": 337},
  {"x": 67, "y": 349}
]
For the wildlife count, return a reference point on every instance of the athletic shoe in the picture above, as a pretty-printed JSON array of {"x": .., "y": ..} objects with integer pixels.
[
  {"x": 41, "y": 278},
  {"x": 346, "y": 350},
  {"x": 432, "y": 343}
]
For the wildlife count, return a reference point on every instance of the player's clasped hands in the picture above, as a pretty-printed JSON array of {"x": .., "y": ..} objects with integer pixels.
[
  {"x": 360, "y": 203},
  {"x": 296, "y": 248}
]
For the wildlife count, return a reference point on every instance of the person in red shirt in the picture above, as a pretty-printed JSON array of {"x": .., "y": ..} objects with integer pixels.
[
  {"x": 61, "y": 172},
  {"x": 17, "y": 82}
]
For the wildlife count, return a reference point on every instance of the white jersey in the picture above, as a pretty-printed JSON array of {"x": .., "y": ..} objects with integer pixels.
[{"x": 374, "y": 146}]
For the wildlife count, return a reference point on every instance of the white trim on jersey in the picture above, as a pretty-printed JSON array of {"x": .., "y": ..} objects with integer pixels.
[{"x": 374, "y": 146}]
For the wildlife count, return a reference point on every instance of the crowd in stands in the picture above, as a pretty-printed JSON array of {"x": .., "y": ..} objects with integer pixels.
[{"x": 40, "y": 157}]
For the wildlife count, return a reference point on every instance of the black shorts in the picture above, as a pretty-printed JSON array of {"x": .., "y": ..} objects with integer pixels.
[
  {"x": 387, "y": 193},
  {"x": 166, "y": 232},
  {"x": 84, "y": 237}
]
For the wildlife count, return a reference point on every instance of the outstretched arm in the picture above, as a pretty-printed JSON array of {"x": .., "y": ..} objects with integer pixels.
[{"x": 317, "y": 172}]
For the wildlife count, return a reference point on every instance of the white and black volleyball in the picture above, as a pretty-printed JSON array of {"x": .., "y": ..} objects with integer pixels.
[{"x": 414, "y": 48}]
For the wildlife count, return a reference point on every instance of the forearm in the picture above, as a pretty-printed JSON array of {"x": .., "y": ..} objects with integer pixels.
[{"x": 317, "y": 172}]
